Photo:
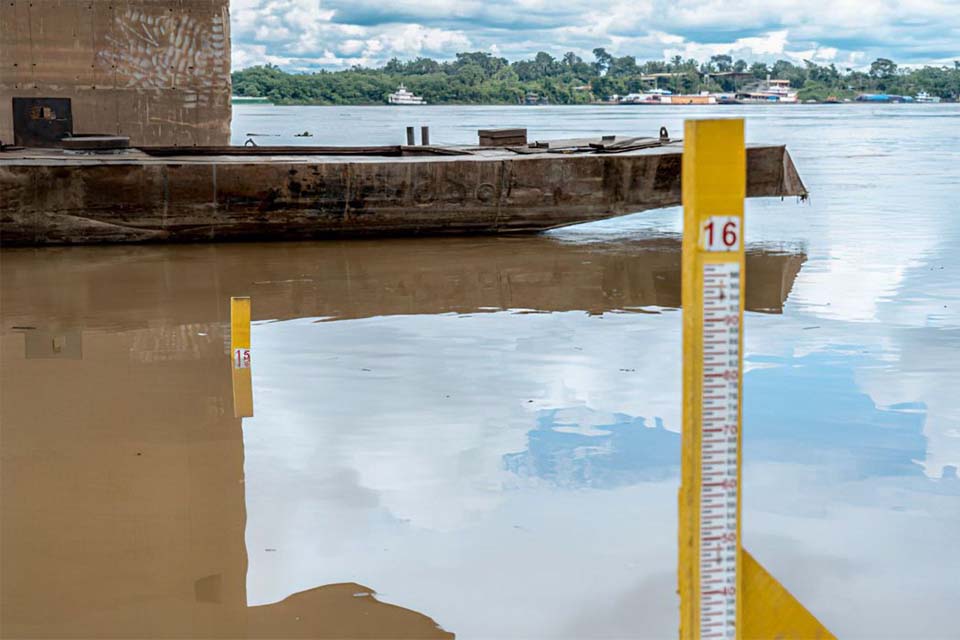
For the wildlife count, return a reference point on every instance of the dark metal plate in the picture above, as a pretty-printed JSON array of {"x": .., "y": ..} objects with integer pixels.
[{"x": 41, "y": 122}]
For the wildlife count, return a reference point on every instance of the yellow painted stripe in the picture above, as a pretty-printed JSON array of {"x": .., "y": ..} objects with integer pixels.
[
  {"x": 770, "y": 611},
  {"x": 242, "y": 393},
  {"x": 239, "y": 323}
]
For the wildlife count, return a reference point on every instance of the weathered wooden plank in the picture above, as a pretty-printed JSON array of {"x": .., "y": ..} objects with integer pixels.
[
  {"x": 502, "y": 137},
  {"x": 382, "y": 150}
]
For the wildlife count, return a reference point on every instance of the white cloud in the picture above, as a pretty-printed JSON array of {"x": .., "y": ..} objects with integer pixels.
[
  {"x": 301, "y": 34},
  {"x": 772, "y": 44},
  {"x": 305, "y": 34},
  {"x": 414, "y": 39}
]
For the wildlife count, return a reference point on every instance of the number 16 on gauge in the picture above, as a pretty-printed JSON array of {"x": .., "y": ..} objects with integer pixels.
[{"x": 720, "y": 233}]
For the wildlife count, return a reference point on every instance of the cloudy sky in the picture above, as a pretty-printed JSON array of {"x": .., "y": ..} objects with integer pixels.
[{"x": 312, "y": 34}]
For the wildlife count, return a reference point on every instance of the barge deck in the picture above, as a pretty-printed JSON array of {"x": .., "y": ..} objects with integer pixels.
[{"x": 53, "y": 196}]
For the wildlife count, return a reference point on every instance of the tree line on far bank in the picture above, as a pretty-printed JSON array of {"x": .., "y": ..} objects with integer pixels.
[{"x": 481, "y": 78}]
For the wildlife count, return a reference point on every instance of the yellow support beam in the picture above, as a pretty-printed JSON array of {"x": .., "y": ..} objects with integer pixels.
[
  {"x": 770, "y": 611},
  {"x": 714, "y": 186},
  {"x": 240, "y": 357}
]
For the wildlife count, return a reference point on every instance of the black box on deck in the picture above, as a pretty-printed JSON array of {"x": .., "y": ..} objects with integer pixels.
[
  {"x": 502, "y": 137},
  {"x": 41, "y": 122}
]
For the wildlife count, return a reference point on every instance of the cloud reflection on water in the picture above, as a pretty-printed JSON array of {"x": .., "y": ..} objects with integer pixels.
[{"x": 466, "y": 437}]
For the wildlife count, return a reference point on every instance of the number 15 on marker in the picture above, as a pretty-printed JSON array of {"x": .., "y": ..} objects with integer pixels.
[{"x": 720, "y": 233}]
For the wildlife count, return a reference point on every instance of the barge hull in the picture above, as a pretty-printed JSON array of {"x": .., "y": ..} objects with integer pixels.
[{"x": 48, "y": 197}]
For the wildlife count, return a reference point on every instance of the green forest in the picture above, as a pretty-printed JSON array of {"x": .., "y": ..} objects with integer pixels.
[{"x": 481, "y": 78}]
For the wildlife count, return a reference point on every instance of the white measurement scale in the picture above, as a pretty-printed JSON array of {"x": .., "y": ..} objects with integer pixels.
[{"x": 719, "y": 449}]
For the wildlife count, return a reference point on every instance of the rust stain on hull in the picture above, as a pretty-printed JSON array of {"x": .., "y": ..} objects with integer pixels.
[{"x": 51, "y": 198}]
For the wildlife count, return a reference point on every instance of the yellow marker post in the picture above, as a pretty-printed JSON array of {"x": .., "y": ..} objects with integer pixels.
[
  {"x": 714, "y": 186},
  {"x": 240, "y": 356},
  {"x": 724, "y": 592}
]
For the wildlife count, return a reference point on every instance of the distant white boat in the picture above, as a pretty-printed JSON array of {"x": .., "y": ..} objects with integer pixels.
[
  {"x": 923, "y": 96},
  {"x": 770, "y": 91},
  {"x": 404, "y": 97},
  {"x": 250, "y": 100}
]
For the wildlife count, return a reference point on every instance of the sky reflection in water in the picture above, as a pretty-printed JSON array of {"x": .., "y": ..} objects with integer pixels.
[{"x": 481, "y": 431}]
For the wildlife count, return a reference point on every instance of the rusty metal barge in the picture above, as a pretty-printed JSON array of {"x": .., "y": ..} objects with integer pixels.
[{"x": 197, "y": 194}]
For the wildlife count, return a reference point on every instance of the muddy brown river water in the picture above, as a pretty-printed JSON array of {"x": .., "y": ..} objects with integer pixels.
[{"x": 480, "y": 436}]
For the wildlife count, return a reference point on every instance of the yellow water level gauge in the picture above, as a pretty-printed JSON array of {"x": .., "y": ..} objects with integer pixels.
[
  {"x": 240, "y": 356},
  {"x": 724, "y": 592},
  {"x": 714, "y": 186}
]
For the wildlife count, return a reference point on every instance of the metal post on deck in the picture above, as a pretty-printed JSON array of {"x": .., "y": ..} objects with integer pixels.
[
  {"x": 425, "y": 136},
  {"x": 410, "y": 137}
]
